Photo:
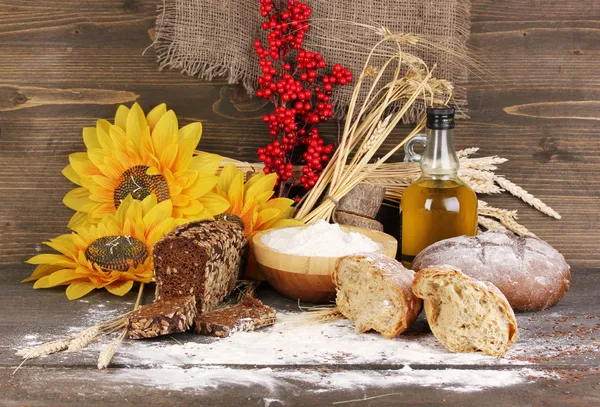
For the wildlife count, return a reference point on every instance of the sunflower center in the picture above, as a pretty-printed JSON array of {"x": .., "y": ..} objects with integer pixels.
[
  {"x": 136, "y": 182},
  {"x": 116, "y": 252}
]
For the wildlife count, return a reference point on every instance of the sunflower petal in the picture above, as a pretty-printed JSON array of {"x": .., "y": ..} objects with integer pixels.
[
  {"x": 78, "y": 199},
  {"x": 206, "y": 162},
  {"x": 90, "y": 138},
  {"x": 62, "y": 277},
  {"x": 136, "y": 123},
  {"x": 161, "y": 211},
  {"x": 180, "y": 200},
  {"x": 78, "y": 289},
  {"x": 168, "y": 156},
  {"x": 254, "y": 179},
  {"x": 236, "y": 193},
  {"x": 226, "y": 177},
  {"x": 71, "y": 174},
  {"x": 194, "y": 208},
  {"x": 186, "y": 178},
  {"x": 52, "y": 259},
  {"x": 121, "y": 117},
  {"x": 40, "y": 271},
  {"x": 102, "y": 133},
  {"x": 82, "y": 165},
  {"x": 148, "y": 203},
  {"x": 165, "y": 131},
  {"x": 153, "y": 171},
  {"x": 189, "y": 137},
  {"x": 266, "y": 183},
  {"x": 155, "y": 114},
  {"x": 64, "y": 244},
  {"x": 105, "y": 183},
  {"x": 214, "y": 203},
  {"x": 265, "y": 216},
  {"x": 120, "y": 287},
  {"x": 203, "y": 184},
  {"x": 78, "y": 220}
]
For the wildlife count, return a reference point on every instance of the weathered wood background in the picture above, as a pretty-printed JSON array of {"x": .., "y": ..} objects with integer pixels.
[{"x": 66, "y": 63}]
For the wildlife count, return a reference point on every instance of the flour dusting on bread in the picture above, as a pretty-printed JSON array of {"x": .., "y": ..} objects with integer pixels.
[{"x": 375, "y": 292}]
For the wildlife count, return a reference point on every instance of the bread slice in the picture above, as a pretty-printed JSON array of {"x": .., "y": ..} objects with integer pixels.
[
  {"x": 375, "y": 292},
  {"x": 247, "y": 315},
  {"x": 162, "y": 318},
  {"x": 465, "y": 314}
]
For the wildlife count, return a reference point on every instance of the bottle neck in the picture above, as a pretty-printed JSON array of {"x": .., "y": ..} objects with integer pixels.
[{"x": 439, "y": 158}]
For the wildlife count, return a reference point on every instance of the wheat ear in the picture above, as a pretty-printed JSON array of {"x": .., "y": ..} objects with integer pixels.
[
  {"x": 489, "y": 224},
  {"x": 109, "y": 351},
  {"x": 525, "y": 196},
  {"x": 44, "y": 349},
  {"x": 83, "y": 338},
  {"x": 507, "y": 218}
]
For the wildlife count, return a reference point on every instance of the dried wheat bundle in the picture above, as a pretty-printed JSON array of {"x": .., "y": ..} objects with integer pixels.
[{"x": 367, "y": 126}]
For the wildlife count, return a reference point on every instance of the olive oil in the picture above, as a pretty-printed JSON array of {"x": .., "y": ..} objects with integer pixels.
[
  {"x": 438, "y": 205},
  {"x": 433, "y": 210}
]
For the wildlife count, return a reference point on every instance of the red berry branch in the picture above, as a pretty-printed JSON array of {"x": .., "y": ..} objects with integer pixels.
[{"x": 294, "y": 81}]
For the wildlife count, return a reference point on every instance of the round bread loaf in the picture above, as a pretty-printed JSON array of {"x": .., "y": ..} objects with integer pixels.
[{"x": 528, "y": 271}]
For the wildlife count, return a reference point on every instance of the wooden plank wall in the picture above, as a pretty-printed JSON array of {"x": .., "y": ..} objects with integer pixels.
[{"x": 65, "y": 63}]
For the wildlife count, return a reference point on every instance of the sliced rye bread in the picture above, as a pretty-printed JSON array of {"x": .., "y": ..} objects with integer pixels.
[
  {"x": 247, "y": 315},
  {"x": 201, "y": 258},
  {"x": 162, "y": 318}
]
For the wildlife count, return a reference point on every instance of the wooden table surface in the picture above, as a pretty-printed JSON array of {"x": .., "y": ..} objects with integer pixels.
[{"x": 66, "y": 63}]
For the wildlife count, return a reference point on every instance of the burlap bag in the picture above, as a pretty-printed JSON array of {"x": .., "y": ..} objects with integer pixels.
[{"x": 213, "y": 38}]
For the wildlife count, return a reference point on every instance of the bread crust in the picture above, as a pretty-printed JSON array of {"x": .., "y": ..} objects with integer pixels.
[
  {"x": 432, "y": 308},
  {"x": 391, "y": 273},
  {"x": 528, "y": 271}
]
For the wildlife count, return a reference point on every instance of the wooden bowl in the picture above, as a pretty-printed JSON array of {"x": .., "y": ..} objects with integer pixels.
[{"x": 308, "y": 278}]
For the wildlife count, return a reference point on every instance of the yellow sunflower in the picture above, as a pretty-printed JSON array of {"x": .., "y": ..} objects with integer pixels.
[
  {"x": 142, "y": 155},
  {"x": 252, "y": 201},
  {"x": 111, "y": 254}
]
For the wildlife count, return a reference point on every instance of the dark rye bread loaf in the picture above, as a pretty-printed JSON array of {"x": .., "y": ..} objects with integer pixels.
[
  {"x": 247, "y": 315},
  {"x": 162, "y": 318},
  {"x": 201, "y": 258},
  {"x": 528, "y": 271}
]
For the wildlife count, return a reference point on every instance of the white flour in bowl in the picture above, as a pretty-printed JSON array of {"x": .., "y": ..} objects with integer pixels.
[{"x": 321, "y": 239}]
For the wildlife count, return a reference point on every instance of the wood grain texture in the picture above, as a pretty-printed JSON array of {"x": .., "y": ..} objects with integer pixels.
[
  {"x": 537, "y": 107},
  {"x": 73, "y": 379}
]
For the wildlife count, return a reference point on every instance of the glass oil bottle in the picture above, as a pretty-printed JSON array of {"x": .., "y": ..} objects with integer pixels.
[{"x": 438, "y": 205}]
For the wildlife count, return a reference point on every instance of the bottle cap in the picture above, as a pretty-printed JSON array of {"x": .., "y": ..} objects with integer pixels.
[{"x": 440, "y": 118}]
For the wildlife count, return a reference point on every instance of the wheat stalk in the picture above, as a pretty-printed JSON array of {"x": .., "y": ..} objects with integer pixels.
[
  {"x": 370, "y": 142},
  {"x": 365, "y": 124},
  {"x": 467, "y": 152},
  {"x": 489, "y": 224},
  {"x": 109, "y": 351},
  {"x": 507, "y": 218},
  {"x": 83, "y": 338},
  {"x": 525, "y": 196},
  {"x": 314, "y": 315},
  {"x": 44, "y": 349}
]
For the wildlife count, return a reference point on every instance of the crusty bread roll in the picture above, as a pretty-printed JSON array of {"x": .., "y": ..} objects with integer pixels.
[
  {"x": 466, "y": 315},
  {"x": 375, "y": 292},
  {"x": 529, "y": 272}
]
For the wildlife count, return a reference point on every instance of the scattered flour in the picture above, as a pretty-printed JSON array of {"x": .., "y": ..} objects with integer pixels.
[
  {"x": 292, "y": 341},
  {"x": 276, "y": 381},
  {"x": 321, "y": 239},
  {"x": 329, "y": 356}
]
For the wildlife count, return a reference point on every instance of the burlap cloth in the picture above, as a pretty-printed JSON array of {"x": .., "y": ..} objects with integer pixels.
[{"x": 213, "y": 38}]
